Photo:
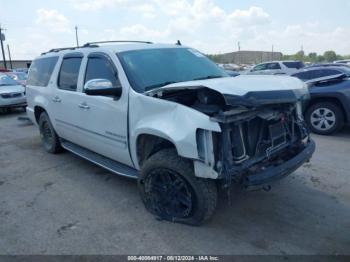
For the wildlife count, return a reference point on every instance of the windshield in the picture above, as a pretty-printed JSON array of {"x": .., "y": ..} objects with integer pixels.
[
  {"x": 152, "y": 68},
  {"x": 5, "y": 80}
]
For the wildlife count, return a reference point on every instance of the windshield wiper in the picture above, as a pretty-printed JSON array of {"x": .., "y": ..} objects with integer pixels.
[
  {"x": 207, "y": 77},
  {"x": 147, "y": 88}
]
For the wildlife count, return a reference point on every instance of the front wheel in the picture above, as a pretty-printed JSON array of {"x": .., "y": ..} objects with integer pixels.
[
  {"x": 49, "y": 138},
  {"x": 171, "y": 192},
  {"x": 325, "y": 118}
]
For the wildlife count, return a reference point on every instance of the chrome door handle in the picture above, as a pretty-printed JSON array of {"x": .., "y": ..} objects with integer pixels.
[
  {"x": 56, "y": 99},
  {"x": 84, "y": 106}
]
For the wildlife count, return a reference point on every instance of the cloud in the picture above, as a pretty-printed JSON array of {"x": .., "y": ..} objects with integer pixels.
[{"x": 52, "y": 19}]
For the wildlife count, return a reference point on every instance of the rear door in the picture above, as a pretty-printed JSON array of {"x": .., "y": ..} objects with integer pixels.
[
  {"x": 65, "y": 110},
  {"x": 104, "y": 118}
]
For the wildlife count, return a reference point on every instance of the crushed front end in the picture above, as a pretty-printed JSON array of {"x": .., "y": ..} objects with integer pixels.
[{"x": 261, "y": 144}]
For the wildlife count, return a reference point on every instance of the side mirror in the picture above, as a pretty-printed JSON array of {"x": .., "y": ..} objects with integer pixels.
[{"x": 102, "y": 87}]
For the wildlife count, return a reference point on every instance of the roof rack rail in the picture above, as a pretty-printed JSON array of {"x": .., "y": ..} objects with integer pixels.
[
  {"x": 95, "y": 44},
  {"x": 58, "y": 49}
]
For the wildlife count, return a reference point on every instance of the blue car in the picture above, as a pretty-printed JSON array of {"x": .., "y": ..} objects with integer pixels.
[{"x": 329, "y": 108}]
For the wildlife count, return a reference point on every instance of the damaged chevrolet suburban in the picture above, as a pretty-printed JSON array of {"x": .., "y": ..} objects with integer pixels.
[{"x": 170, "y": 118}]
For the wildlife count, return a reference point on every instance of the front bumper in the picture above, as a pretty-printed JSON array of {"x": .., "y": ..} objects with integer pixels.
[
  {"x": 272, "y": 174},
  {"x": 23, "y": 104}
]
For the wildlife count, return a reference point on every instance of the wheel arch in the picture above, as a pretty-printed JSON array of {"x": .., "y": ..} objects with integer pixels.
[
  {"x": 149, "y": 144},
  {"x": 38, "y": 110}
]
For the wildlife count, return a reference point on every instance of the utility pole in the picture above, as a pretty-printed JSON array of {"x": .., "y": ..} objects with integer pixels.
[
  {"x": 8, "y": 49},
  {"x": 2, "y": 38},
  {"x": 239, "y": 52},
  {"x": 76, "y": 35}
]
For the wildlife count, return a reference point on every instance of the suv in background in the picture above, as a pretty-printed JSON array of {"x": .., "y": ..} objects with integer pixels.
[
  {"x": 277, "y": 68},
  {"x": 309, "y": 73},
  {"x": 170, "y": 118},
  {"x": 329, "y": 107}
]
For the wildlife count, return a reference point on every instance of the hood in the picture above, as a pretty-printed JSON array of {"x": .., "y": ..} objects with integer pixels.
[
  {"x": 11, "y": 89},
  {"x": 247, "y": 89}
]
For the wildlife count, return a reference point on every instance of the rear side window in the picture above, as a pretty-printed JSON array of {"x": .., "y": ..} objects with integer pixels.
[
  {"x": 100, "y": 67},
  {"x": 295, "y": 65},
  {"x": 41, "y": 70},
  {"x": 68, "y": 77},
  {"x": 304, "y": 75},
  {"x": 260, "y": 67},
  {"x": 273, "y": 66},
  {"x": 330, "y": 72}
]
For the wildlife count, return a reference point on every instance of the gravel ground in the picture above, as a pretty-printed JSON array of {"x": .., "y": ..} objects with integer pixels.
[{"x": 61, "y": 204}]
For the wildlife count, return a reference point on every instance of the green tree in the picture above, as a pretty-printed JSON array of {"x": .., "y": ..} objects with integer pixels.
[
  {"x": 312, "y": 57},
  {"x": 330, "y": 56},
  {"x": 300, "y": 55}
]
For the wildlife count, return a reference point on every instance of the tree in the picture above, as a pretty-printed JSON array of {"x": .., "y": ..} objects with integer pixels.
[
  {"x": 330, "y": 56},
  {"x": 312, "y": 57},
  {"x": 300, "y": 55}
]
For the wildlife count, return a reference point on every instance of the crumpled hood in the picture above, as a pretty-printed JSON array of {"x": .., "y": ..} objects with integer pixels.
[
  {"x": 11, "y": 89},
  {"x": 250, "y": 90},
  {"x": 242, "y": 84}
]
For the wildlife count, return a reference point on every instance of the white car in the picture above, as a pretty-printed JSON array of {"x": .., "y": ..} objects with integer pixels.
[
  {"x": 12, "y": 94},
  {"x": 170, "y": 118},
  {"x": 277, "y": 68}
]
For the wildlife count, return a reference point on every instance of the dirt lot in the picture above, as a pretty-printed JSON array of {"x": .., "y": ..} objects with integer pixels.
[{"x": 61, "y": 204}]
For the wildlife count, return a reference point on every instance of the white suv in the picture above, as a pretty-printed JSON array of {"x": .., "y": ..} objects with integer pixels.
[
  {"x": 169, "y": 117},
  {"x": 277, "y": 68}
]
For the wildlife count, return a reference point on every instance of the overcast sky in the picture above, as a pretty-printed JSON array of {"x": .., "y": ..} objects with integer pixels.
[{"x": 211, "y": 26}]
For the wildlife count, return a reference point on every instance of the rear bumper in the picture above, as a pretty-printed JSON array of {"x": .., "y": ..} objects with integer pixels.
[{"x": 272, "y": 174}]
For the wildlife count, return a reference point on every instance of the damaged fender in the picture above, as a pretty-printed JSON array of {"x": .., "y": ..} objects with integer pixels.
[{"x": 172, "y": 121}]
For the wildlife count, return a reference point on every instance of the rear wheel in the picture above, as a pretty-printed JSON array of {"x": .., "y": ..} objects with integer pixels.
[
  {"x": 171, "y": 192},
  {"x": 49, "y": 138},
  {"x": 325, "y": 118}
]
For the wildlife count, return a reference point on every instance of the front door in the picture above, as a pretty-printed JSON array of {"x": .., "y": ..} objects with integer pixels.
[{"x": 104, "y": 118}]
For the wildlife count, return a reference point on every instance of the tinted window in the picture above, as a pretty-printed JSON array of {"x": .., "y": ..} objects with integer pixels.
[
  {"x": 41, "y": 70},
  {"x": 304, "y": 75},
  {"x": 296, "y": 65},
  {"x": 101, "y": 68},
  {"x": 273, "y": 66},
  {"x": 260, "y": 67},
  {"x": 330, "y": 72},
  {"x": 68, "y": 77}
]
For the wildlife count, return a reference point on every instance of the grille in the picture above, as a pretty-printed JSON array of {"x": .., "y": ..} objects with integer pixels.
[{"x": 11, "y": 95}]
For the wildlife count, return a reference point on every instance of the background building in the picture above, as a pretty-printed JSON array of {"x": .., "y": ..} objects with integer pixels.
[
  {"x": 16, "y": 64},
  {"x": 248, "y": 57}
]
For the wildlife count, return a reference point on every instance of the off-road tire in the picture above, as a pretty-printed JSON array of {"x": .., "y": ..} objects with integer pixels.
[
  {"x": 51, "y": 144},
  {"x": 204, "y": 190},
  {"x": 334, "y": 109}
]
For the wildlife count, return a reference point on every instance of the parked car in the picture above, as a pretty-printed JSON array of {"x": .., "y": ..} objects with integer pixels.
[
  {"x": 309, "y": 73},
  {"x": 232, "y": 73},
  {"x": 329, "y": 64},
  {"x": 12, "y": 94},
  {"x": 20, "y": 77},
  {"x": 169, "y": 117},
  {"x": 21, "y": 70},
  {"x": 276, "y": 68},
  {"x": 346, "y": 61},
  {"x": 329, "y": 107}
]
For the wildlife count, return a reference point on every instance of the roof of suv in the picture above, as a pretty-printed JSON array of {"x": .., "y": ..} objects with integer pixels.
[{"x": 115, "y": 48}]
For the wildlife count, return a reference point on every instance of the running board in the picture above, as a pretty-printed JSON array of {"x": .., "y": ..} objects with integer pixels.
[{"x": 104, "y": 162}]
